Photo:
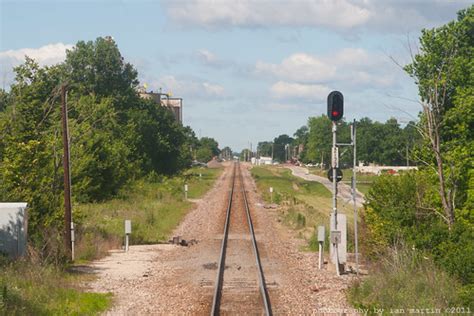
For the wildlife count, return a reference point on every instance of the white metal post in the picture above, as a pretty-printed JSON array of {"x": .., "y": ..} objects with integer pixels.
[
  {"x": 73, "y": 240},
  {"x": 128, "y": 231},
  {"x": 320, "y": 255},
  {"x": 321, "y": 237}
]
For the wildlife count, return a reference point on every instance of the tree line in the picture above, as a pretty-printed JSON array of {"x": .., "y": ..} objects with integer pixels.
[
  {"x": 115, "y": 136},
  {"x": 381, "y": 143}
]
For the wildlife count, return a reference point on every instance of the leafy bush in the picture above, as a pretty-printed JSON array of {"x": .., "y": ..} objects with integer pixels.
[
  {"x": 407, "y": 279},
  {"x": 396, "y": 212}
]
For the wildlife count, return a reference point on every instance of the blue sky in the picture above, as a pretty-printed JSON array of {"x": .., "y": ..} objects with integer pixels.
[{"x": 247, "y": 70}]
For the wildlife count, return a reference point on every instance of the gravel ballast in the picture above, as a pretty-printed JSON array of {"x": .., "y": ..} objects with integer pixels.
[{"x": 174, "y": 280}]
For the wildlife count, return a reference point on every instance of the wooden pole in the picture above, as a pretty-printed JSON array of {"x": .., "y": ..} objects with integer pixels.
[{"x": 67, "y": 175}]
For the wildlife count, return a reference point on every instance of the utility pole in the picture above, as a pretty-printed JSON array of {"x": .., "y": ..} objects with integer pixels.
[
  {"x": 67, "y": 174},
  {"x": 251, "y": 151},
  {"x": 408, "y": 162}
]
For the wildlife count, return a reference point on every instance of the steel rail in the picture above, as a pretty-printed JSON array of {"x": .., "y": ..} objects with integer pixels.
[
  {"x": 218, "y": 289},
  {"x": 261, "y": 278},
  {"x": 216, "y": 301}
]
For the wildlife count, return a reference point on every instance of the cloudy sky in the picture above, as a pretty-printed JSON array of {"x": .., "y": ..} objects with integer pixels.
[{"x": 248, "y": 70}]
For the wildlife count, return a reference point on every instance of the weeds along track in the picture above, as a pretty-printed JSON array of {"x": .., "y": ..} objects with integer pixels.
[{"x": 240, "y": 285}]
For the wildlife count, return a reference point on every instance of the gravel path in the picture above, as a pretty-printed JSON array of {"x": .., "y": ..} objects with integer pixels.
[{"x": 176, "y": 280}]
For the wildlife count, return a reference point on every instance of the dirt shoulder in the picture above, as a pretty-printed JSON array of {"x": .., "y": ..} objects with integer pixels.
[{"x": 171, "y": 280}]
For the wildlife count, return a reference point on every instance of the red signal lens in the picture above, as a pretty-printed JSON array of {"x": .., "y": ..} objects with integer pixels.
[{"x": 335, "y": 113}]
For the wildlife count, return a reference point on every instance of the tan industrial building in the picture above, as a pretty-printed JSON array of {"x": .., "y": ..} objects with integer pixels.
[{"x": 175, "y": 105}]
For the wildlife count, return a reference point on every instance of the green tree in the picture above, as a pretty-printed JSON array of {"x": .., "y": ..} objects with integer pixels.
[
  {"x": 444, "y": 72},
  {"x": 319, "y": 144},
  {"x": 280, "y": 147},
  {"x": 211, "y": 144},
  {"x": 265, "y": 149},
  {"x": 98, "y": 67}
]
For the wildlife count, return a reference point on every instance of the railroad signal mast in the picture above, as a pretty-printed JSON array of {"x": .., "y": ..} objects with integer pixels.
[{"x": 335, "y": 113}]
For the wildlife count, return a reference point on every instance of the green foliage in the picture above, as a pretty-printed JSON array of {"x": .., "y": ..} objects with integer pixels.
[
  {"x": 265, "y": 149},
  {"x": 98, "y": 68},
  {"x": 318, "y": 147},
  {"x": 444, "y": 72},
  {"x": 115, "y": 136},
  {"x": 405, "y": 209},
  {"x": 407, "y": 280},
  {"x": 32, "y": 289},
  {"x": 204, "y": 154},
  {"x": 279, "y": 147},
  {"x": 207, "y": 148}
]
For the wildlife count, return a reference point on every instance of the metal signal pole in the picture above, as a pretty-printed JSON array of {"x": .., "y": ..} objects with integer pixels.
[
  {"x": 334, "y": 188},
  {"x": 67, "y": 175},
  {"x": 354, "y": 164}
]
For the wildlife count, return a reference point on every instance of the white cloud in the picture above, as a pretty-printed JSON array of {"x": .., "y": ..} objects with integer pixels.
[
  {"x": 207, "y": 57},
  {"x": 187, "y": 88},
  {"x": 46, "y": 55},
  {"x": 372, "y": 15},
  {"x": 255, "y": 13},
  {"x": 213, "y": 89},
  {"x": 299, "y": 67},
  {"x": 350, "y": 67},
  {"x": 288, "y": 90}
]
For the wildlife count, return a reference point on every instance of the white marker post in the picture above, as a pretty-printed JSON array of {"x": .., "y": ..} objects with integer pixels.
[
  {"x": 128, "y": 231},
  {"x": 271, "y": 195},
  {"x": 321, "y": 238},
  {"x": 185, "y": 191},
  {"x": 73, "y": 239}
]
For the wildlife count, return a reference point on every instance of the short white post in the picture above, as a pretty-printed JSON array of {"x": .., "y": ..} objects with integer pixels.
[
  {"x": 271, "y": 195},
  {"x": 321, "y": 238},
  {"x": 185, "y": 191},
  {"x": 73, "y": 239},
  {"x": 128, "y": 231}
]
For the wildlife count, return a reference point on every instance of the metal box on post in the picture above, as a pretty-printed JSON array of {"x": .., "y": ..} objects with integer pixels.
[
  {"x": 13, "y": 229},
  {"x": 340, "y": 236}
]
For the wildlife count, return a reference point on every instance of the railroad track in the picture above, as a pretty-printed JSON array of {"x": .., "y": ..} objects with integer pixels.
[{"x": 241, "y": 289}]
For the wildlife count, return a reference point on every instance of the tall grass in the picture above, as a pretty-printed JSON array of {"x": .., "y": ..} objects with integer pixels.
[
  {"x": 406, "y": 280},
  {"x": 155, "y": 207},
  {"x": 28, "y": 288}
]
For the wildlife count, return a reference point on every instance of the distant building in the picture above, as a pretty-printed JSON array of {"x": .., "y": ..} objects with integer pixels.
[
  {"x": 175, "y": 105},
  {"x": 263, "y": 161}
]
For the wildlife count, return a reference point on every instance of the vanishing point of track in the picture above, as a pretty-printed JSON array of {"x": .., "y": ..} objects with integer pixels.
[{"x": 219, "y": 288}]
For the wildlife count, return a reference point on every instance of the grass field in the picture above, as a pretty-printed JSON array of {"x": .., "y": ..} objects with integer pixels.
[
  {"x": 304, "y": 204},
  {"x": 155, "y": 208},
  {"x": 35, "y": 289}
]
